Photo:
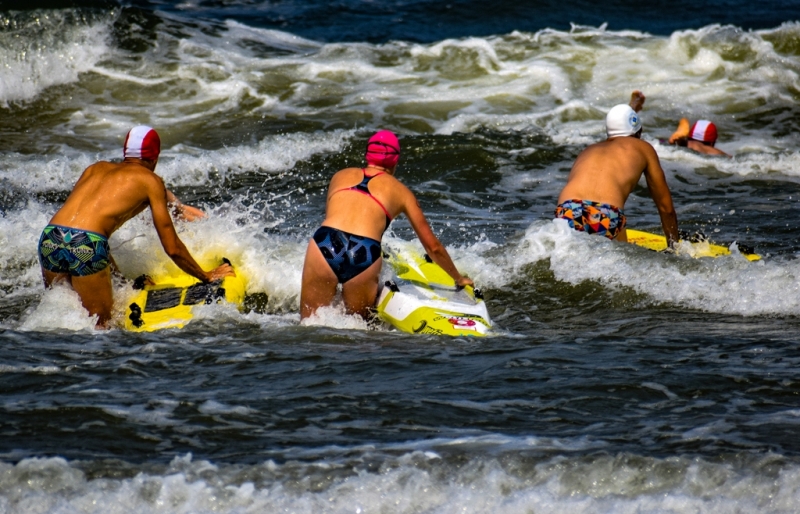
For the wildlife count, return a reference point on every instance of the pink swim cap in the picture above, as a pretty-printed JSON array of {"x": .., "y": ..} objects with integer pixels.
[
  {"x": 703, "y": 130},
  {"x": 142, "y": 142},
  {"x": 383, "y": 149}
]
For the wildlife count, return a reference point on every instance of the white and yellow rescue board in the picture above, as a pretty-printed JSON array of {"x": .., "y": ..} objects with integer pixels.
[
  {"x": 700, "y": 246},
  {"x": 421, "y": 298},
  {"x": 172, "y": 301}
]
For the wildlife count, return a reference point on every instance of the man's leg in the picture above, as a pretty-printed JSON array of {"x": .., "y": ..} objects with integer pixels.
[
  {"x": 681, "y": 133},
  {"x": 318, "y": 288},
  {"x": 96, "y": 294},
  {"x": 51, "y": 277}
]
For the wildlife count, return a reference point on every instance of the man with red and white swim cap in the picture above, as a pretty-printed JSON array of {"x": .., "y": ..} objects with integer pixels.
[
  {"x": 700, "y": 137},
  {"x": 74, "y": 245},
  {"x": 605, "y": 174},
  {"x": 346, "y": 249}
]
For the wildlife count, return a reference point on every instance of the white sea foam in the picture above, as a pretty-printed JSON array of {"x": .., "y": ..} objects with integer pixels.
[
  {"x": 273, "y": 154},
  {"x": 491, "y": 81},
  {"x": 46, "y": 50},
  {"x": 59, "y": 309},
  {"x": 729, "y": 284},
  {"x": 212, "y": 407},
  {"x": 335, "y": 316},
  {"x": 413, "y": 482},
  {"x": 271, "y": 264},
  {"x": 178, "y": 166},
  {"x": 559, "y": 83}
]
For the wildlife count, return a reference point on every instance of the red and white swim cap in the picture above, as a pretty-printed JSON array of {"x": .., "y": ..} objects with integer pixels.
[
  {"x": 703, "y": 130},
  {"x": 383, "y": 149},
  {"x": 142, "y": 142}
]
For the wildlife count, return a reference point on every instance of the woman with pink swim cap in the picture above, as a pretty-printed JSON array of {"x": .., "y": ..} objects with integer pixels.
[{"x": 346, "y": 249}]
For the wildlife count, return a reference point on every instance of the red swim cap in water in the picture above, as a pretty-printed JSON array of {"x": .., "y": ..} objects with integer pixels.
[
  {"x": 142, "y": 142},
  {"x": 383, "y": 149},
  {"x": 703, "y": 130}
]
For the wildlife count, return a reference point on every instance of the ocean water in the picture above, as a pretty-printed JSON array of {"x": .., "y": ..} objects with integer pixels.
[{"x": 617, "y": 380}]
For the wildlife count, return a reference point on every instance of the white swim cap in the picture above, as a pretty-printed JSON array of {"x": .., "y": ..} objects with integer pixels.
[{"x": 622, "y": 120}]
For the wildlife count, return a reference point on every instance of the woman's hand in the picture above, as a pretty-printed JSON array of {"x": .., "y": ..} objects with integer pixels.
[{"x": 464, "y": 281}]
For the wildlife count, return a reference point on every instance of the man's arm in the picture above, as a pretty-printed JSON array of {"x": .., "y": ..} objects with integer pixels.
[
  {"x": 172, "y": 244},
  {"x": 183, "y": 211},
  {"x": 705, "y": 149},
  {"x": 659, "y": 191},
  {"x": 434, "y": 248}
]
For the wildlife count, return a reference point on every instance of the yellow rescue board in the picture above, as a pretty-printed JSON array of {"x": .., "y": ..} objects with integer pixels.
[
  {"x": 699, "y": 248},
  {"x": 421, "y": 298},
  {"x": 171, "y": 302}
]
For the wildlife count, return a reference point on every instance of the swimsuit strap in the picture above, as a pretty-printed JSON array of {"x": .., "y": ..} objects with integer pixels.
[{"x": 363, "y": 188}]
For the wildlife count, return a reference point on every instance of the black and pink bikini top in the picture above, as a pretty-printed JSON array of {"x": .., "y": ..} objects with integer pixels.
[{"x": 362, "y": 187}]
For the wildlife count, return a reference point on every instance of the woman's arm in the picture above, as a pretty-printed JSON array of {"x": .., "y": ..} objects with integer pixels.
[{"x": 434, "y": 248}]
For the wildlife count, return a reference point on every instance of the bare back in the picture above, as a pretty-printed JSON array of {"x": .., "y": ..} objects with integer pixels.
[
  {"x": 607, "y": 172},
  {"x": 109, "y": 194},
  {"x": 356, "y": 213}
]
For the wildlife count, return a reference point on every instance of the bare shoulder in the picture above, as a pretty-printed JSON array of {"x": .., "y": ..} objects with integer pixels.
[
  {"x": 133, "y": 175},
  {"x": 99, "y": 167},
  {"x": 345, "y": 175},
  {"x": 400, "y": 190},
  {"x": 139, "y": 171},
  {"x": 642, "y": 146},
  {"x": 348, "y": 171}
]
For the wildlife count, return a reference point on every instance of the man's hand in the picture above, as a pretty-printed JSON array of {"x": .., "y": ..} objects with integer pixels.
[
  {"x": 226, "y": 270},
  {"x": 188, "y": 213},
  {"x": 637, "y": 100},
  {"x": 181, "y": 210}
]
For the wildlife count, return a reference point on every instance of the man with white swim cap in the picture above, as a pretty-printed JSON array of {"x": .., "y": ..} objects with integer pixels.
[
  {"x": 74, "y": 245},
  {"x": 605, "y": 174},
  {"x": 700, "y": 137}
]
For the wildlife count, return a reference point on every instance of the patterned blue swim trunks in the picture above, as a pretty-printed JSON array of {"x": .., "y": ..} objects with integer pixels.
[{"x": 72, "y": 250}]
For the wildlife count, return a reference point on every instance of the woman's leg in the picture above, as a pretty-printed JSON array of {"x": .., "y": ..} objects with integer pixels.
[
  {"x": 318, "y": 288},
  {"x": 361, "y": 292}
]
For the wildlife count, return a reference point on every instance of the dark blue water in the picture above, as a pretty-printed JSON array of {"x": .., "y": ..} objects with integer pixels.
[{"x": 428, "y": 21}]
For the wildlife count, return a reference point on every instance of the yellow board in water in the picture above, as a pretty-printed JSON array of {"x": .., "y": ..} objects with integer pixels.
[
  {"x": 699, "y": 249},
  {"x": 171, "y": 302},
  {"x": 422, "y": 298}
]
